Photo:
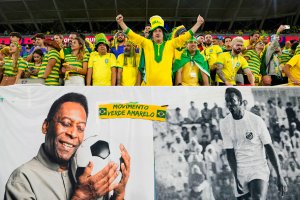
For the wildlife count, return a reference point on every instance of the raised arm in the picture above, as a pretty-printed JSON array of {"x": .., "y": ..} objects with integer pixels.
[
  {"x": 132, "y": 36},
  {"x": 197, "y": 25}
]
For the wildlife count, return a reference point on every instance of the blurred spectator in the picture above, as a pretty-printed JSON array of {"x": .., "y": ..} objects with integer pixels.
[
  {"x": 217, "y": 113},
  {"x": 127, "y": 64},
  {"x": 204, "y": 130},
  {"x": 118, "y": 43},
  {"x": 102, "y": 64},
  {"x": 206, "y": 114},
  {"x": 185, "y": 134},
  {"x": 17, "y": 37},
  {"x": 49, "y": 71},
  {"x": 39, "y": 41},
  {"x": 211, "y": 53},
  {"x": 13, "y": 65},
  {"x": 59, "y": 38},
  {"x": 249, "y": 44},
  {"x": 293, "y": 170},
  {"x": 256, "y": 109},
  {"x": 200, "y": 188},
  {"x": 177, "y": 118},
  {"x": 193, "y": 114},
  {"x": 75, "y": 64},
  {"x": 35, "y": 64}
]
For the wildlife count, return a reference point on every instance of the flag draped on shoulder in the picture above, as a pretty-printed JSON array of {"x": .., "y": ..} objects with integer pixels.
[{"x": 186, "y": 57}]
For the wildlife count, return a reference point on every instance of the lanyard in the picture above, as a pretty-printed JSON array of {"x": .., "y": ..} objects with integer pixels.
[{"x": 233, "y": 65}]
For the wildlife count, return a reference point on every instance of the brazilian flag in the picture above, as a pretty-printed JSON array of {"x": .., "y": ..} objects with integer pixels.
[
  {"x": 161, "y": 114},
  {"x": 102, "y": 111}
]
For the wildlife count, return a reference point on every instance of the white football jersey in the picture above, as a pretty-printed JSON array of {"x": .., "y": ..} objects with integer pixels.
[{"x": 247, "y": 137}]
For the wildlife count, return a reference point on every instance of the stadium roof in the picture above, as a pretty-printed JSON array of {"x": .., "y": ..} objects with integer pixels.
[{"x": 60, "y": 12}]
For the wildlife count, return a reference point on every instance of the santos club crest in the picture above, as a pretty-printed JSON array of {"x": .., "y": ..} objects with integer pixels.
[{"x": 249, "y": 135}]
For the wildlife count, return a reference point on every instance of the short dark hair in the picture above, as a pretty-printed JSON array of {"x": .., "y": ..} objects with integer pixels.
[
  {"x": 235, "y": 91},
  {"x": 294, "y": 45},
  {"x": 69, "y": 97},
  {"x": 39, "y": 35},
  {"x": 194, "y": 128},
  {"x": 255, "y": 32},
  {"x": 17, "y": 34}
]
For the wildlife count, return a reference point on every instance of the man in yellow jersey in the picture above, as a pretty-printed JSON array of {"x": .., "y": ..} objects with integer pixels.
[
  {"x": 158, "y": 53},
  {"x": 292, "y": 70},
  {"x": 102, "y": 65},
  {"x": 127, "y": 64},
  {"x": 249, "y": 44},
  {"x": 211, "y": 53},
  {"x": 191, "y": 69},
  {"x": 228, "y": 63}
]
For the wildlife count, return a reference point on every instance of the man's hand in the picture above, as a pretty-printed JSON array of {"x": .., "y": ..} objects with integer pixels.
[
  {"x": 2, "y": 63},
  {"x": 92, "y": 187},
  {"x": 119, "y": 189},
  {"x": 200, "y": 20},
  {"x": 282, "y": 186},
  {"x": 120, "y": 19},
  {"x": 294, "y": 81},
  {"x": 228, "y": 83}
]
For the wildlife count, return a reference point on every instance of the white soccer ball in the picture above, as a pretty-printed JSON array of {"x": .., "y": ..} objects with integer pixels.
[{"x": 91, "y": 149}]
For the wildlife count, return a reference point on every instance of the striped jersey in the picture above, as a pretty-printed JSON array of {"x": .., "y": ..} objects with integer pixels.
[
  {"x": 285, "y": 56},
  {"x": 297, "y": 51},
  {"x": 53, "y": 77},
  {"x": 72, "y": 60},
  {"x": 32, "y": 66},
  {"x": 254, "y": 61},
  {"x": 9, "y": 69}
]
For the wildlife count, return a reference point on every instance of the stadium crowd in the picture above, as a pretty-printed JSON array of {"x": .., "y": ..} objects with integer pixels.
[
  {"x": 190, "y": 162},
  {"x": 181, "y": 58}
]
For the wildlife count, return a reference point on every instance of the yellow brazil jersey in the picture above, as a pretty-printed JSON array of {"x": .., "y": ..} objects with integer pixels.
[
  {"x": 294, "y": 63},
  {"x": 158, "y": 57},
  {"x": 190, "y": 73},
  {"x": 211, "y": 54},
  {"x": 130, "y": 69},
  {"x": 101, "y": 65},
  {"x": 246, "y": 43},
  {"x": 231, "y": 64}
]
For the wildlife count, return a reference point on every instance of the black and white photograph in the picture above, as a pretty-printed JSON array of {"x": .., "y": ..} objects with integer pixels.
[{"x": 229, "y": 143}]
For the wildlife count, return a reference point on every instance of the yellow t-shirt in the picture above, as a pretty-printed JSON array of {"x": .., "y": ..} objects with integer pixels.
[
  {"x": 102, "y": 65},
  {"x": 211, "y": 54},
  {"x": 246, "y": 43},
  {"x": 294, "y": 63},
  {"x": 190, "y": 73},
  {"x": 158, "y": 73},
  {"x": 129, "y": 73},
  {"x": 231, "y": 64}
]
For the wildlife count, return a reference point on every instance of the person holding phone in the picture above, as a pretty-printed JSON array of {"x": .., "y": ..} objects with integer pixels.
[{"x": 34, "y": 64}]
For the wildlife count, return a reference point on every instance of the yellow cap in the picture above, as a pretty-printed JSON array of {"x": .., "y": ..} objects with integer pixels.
[{"x": 157, "y": 22}]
